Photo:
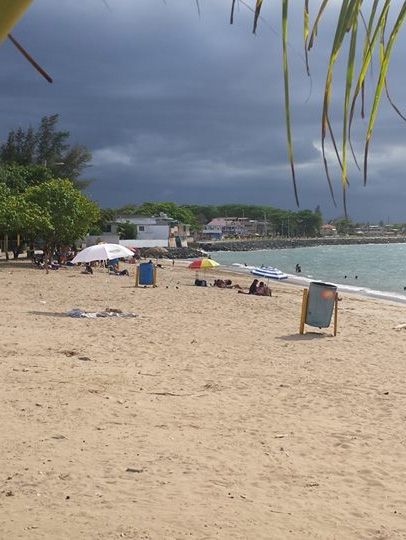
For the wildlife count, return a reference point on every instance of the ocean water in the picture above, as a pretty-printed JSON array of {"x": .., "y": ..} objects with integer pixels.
[{"x": 372, "y": 269}]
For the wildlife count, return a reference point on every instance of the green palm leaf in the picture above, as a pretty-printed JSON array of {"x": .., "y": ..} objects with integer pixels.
[
  {"x": 258, "y": 6},
  {"x": 371, "y": 39},
  {"x": 381, "y": 81},
  {"x": 348, "y": 85},
  {"x": 306, "y": 33},
  {"x": 285, "y": 8}
]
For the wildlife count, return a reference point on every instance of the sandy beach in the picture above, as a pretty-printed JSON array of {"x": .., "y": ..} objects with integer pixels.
[{"x": 207, "y": 416}]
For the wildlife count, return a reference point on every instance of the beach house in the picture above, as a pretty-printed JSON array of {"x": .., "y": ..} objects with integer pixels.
[
  {"x": 223, "y": 227},
  {"x": 152, "y": 231}
]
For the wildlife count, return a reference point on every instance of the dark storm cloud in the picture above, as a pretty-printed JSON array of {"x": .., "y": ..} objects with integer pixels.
[{"x": 189, "y": 109}]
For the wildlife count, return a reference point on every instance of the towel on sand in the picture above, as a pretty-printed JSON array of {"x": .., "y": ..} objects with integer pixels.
[{"x": 81, "y": 313}]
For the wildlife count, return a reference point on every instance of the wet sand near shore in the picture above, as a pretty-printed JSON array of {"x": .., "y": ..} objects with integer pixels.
[{"x": 206, "y": 416}]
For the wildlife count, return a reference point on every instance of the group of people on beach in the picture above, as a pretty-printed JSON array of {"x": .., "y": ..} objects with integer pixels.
[
  {"x": 256, "y": 287},
  {"x": 42, "y": 262},
  {"x": 113, "y": 268}
]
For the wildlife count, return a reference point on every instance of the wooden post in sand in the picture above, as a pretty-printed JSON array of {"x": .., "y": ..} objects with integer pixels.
[
  {"x": 304, "y": 310},
  {"x": 154, "y": 277},
  {"x": 335, "y": 313}
]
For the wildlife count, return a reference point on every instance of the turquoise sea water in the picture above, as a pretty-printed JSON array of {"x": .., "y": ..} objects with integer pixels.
[{"x": 380, "y": 268}]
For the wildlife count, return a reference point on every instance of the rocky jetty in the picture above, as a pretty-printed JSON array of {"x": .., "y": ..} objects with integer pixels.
[
  {"x": 184, "y": 253},
  {"x": 174, "y": 253},
  {"x": 288, "y": 243}
]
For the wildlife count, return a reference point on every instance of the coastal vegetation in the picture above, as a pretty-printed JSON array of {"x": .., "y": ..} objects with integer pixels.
[
  {"x": 40, "y": 197},
  {"x": 46, "y": 152},
  {"x": 69, "y": 212},
  {"x": 52, "y": 213},
  {"x": 277, "y": 221}
]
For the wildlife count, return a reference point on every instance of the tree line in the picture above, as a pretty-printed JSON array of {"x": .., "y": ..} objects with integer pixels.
[
  {"x": 305, "y": 223},
  {"x": 41, "y": 198}
]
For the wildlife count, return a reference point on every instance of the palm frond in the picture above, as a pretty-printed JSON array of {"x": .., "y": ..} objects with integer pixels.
[
  {"x": 348, "y": 17},
  {"x": 306, "y": 33},
  {"x": 380, "y": 84},
  {"x": 258, "y": 6},
  {"x": 313, "y": 33},
  {"x": 285, "y": 8},
  {"x": 348, "y": 86}
]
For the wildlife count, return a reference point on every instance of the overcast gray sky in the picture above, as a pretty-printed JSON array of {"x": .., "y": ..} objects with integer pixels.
[{"x": 186, "y": 108}]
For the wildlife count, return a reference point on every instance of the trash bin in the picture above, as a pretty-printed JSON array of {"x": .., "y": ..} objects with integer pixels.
[
  {"x": 146, "y": 274},
  {"x": 320, "y": 304}
]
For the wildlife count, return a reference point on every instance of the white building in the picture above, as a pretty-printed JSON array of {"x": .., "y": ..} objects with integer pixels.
[
  {"x": 151, "y": 231},
  {"x": 160, "y": 231}
]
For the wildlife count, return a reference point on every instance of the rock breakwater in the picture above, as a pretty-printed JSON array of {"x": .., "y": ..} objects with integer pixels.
[{"x": 289, "y": 243}]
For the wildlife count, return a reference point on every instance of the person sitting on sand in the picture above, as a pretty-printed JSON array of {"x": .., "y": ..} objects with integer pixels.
[
  {"x": 112, "y": 265},
  {"x": 121, "y": 272},
  {"x": 88, "y": 269},
  {"x": 116, "y": 272},
  {"x": 252, "y": 289},
  {"x": 263, "y": 290}
]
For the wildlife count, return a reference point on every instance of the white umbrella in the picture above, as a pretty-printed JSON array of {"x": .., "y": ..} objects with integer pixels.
[
  {"x": 269, "y": 272},
  {"x": 102, "y": 252}
]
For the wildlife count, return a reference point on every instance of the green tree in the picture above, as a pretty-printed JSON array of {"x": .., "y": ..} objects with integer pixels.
[
  {"x": 19, "y": 177},
  {"x": 127, "y": 231},
  {"x": 344, "y": 225},
  {"x": 308, "y": 223},
  {"x": 18, "y": 216},
  {"x": 127, "y": 210},
  {"x": 106, "y": 217},
  {"x": 49, "y": 147},
  {"x": 70, "y": 213},
  {"x": 19, "y": 147},
  {"x": 203, "y": 213}
]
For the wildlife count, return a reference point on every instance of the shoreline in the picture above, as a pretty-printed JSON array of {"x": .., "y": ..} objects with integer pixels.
[{"x": 302, "y": 281}]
